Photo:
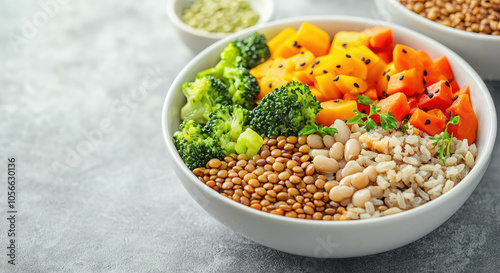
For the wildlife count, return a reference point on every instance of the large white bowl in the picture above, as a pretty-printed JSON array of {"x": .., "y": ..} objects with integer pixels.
[
  {"x": 481, "y": 51},
  {"x": 197, "y": 40},
  {"x": 326, "y": 238}
]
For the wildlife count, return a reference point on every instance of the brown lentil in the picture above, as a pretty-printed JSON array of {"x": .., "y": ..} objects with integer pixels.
[{"x": 469, "y": 15}]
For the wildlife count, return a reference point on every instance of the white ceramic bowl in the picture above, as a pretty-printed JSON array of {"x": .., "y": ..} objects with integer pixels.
[
  {"x": 481, "y": 51},
  {"x": 328, "y": 238},
  {"x": 197, "y": 40}
]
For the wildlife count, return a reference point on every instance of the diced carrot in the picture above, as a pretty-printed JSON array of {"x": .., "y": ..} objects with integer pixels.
[
  {"x": 286, "y": 34},
  {"x": 467, "y": 125},
  {"x": 397, "y": 104},
  {"x": 313, "y": 38},
  {"x": 348, "y": 39},
  {"x": 464, "y": 90},
  {"x": 426, "y": 60},
  {"x": 438, "y": 95},
  {"x": 413, "y": 103},
  {"x": 454, "y": 86},
  {"x": 407, "y": 81},
  {"x": 385, "y": 55},
  {"x": 350, "y": 84},
  {"x": 380, "y": 37},
  {"x": 326, "y": 85},
  {"x": 431, "y": 124},
  {"x": 441, "y": 66},
  {"x": 335, "y": 109}
]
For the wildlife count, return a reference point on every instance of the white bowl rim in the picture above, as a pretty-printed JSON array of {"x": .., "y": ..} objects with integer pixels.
[
  {"x": 443, "y": 28},
  {"x": 263, "y": 18},
  {"x": 454, "y": 192}
]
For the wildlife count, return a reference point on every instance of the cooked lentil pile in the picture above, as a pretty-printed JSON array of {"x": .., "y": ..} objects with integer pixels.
[
  {"x": 481, "y": 16},
  {"x": 353, "y": 175}
]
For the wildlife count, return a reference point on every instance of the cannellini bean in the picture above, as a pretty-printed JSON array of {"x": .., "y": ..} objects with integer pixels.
[
  {"x": 316, "y": 152},
  {"x": 346, "y": 181},
  {"x": 371, "y": 172},
  {"x": 337, "y": 151},
  {"x": 340, "y": 193},
  {"x": 344, "y": 132},
  {"x": 328, "y": 140},
  {"x": 359, "y": 180},
  {"x": 352, "y": 149},
  {"x": 325, "y": 164},
  {"x": 351, "y": 167},
  {"x": 359, "y": 198},
  {"x": 376, "y": 191},
  {"x": 315, "y": 141}
]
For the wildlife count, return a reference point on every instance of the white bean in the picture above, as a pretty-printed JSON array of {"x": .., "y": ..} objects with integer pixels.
[
  {"x": 315, "y": 152},
  {"x": 376, "y": 191},
  {"x": 360, "y": 197},
  {"x": 346, "y": 181},
  {"x": 352, "y": 149},
  {"x": 339, "y": 193},
  {"x": 344, "y": 132},
  {"x": 325, "y": 164},
  {"x": 359, "y": 180},
  {"x": 351, "y": 167},
  {"x": 372, "y": 173},
  {"x": 315, "y": 141},
  {"x": 328, "y": 140},
  {"x": 337, "y": 151}
]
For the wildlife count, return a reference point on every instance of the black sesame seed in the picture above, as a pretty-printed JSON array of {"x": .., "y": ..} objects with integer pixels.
[
  {"x": 338, "y": 66},
  {"x": 426, "y": 91},
  {"x": 385, "y": 94},
  {"x": 363, "y": 59},
  {"x": 431, "y": 95},
  {"x": 280, "y": 66},
  {"x": 324, "y": 71},
  {"x": 310, "y": 72},
  {"x": 423, "y": 80},
  {"x": 447, "y": 83},
  {"x": 344, "y": 44},
  {"x": 348, "y": 56},
  {"x": 385, "y": 72},
  {"x": 388, "y": 77},
  {"x": 401, "y": 77},
  {"x": 404, "y": 51},
  {"x": 316, "y": 62},
  {"x": 363, "y": 111},
  {"x": 367, "y": 61},
  {"x": 407, "y": 117},
  {"x": 294, "y": 43},
  {"x": 270, "y": 85},
  {"x": 302, "y": 52},
  {"x": 335, "y": 100},
  {"x": 336, "y": 78},
  {"x": 427, "y": 122},
  {"x": 356, "y": 85},
  {"x": 425, "y": 72},
  {"x": 449, "y": 113},
  {"x": 455, "y": 98},
  {"x": 437, "y": 91},
  {"x": 299, "y": 46},
  {"x": 302, "y": 64}
]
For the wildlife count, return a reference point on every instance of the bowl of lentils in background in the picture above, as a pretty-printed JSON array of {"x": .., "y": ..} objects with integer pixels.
[
  {"x": 471, "y": 28},
  {"x": 326, "y": 237},
  {"x": 199, "y": 23}
]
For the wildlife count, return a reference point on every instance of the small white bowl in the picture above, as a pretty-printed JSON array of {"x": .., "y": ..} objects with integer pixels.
[
  {"x": 328, "y": 239},
  {"x": 197, "y": 40},
  {"x": 481, "y": 51}
]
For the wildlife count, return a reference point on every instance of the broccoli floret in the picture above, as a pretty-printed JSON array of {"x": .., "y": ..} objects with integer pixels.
[
  {"x": 194, "y": 146},
  {"x": 225, "y": 125},
  {"x": 203, "y": 95},
  {"x": 285, "y": 111},
  {"x": 249, "y": 143},
  {"x": 242, "y": 86},
  {"x": 247, "y": 52}
]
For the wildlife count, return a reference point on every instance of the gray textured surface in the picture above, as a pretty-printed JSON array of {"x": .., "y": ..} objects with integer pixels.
[{"x": 116, "y": 206}]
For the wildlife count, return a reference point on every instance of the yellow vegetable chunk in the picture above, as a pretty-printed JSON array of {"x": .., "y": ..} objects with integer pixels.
[{"x": 350, "y": 84}]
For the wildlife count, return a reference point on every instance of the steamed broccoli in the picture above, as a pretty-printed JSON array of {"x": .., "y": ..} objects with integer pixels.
[
  {"x": 285, "y": 111},
  {"x": 249, "y": 143},
  {"x": 242, "y": 86},
  {"x": 194, "y": 146},
  {"x": 226, "y": 124},
  {"x": 203, "y": 95}
]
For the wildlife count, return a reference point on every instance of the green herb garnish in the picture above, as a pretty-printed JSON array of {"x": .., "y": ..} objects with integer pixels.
[
  {"x": 445, "y": 138},
  {"x": 315, "y": 128},
  {"x": 387, "y": 120},
  {"x": 405, "y": 125},
  {"x": 364, "y": 99}
]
